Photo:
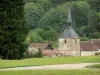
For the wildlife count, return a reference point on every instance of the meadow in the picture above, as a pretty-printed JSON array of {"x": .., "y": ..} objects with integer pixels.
[
  {"x": 48, "y": 61},
  {"x": 94, "y": 66},
  {"x": 50, "y": 72}
]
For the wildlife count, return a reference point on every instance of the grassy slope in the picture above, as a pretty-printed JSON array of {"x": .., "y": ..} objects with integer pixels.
[
  {"x": 51, "y": 72},
  {"x": 48, "y": 61},
  {"x": 94, "y": 66}
]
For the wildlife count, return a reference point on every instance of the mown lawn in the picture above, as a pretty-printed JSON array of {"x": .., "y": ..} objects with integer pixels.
[
  {"x": 51, "y": 72},
  {"x": 48, "y": 61},
  {"x": 94, "y": 66}
]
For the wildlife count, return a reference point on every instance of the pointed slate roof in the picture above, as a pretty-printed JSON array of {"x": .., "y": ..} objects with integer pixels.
[{"x": 69, "y": 31}]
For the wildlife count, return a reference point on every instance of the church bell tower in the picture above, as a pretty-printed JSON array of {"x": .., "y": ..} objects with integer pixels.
[{"x": 69, "y": 41}]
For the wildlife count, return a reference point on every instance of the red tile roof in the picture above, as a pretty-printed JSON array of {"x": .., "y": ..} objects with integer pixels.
[
  {"x": 87, "y": 46},
  {"x": 51, "y": 52},
  {"x": 96, "y": 43},
  {"x": 39, "y": 45}
]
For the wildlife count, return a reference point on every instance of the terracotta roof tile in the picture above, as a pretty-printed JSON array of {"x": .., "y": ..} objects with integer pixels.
[
  {"x": 87, "y": 46},
  {"x": 96, "y": 43},
  {"x": 51, "y": 52},
  {"x": 39, "y": 45}
]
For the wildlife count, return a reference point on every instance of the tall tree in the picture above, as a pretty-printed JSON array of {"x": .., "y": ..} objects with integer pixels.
[
  {"x": 12, "y": 29},
  {"x": 95, "y": 4}
]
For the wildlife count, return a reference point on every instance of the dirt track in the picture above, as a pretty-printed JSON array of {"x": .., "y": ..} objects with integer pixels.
[{"x": 78, "y": 66}]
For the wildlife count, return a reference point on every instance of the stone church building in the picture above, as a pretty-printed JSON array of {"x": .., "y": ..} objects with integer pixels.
[
  {"x": 69, "y": 41},
  {"x": 69, "y": 44}
]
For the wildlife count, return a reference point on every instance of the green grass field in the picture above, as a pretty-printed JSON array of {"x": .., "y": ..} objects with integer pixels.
[
  {"x": 94, "y": 66},
  {"x": 48, "y": 61},
  {"x": 51, "y": 72}
]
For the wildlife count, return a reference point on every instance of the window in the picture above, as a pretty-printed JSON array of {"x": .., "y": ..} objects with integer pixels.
[
  {"x": 75, "y": 41},
  {"x": 65, "y": 41}
]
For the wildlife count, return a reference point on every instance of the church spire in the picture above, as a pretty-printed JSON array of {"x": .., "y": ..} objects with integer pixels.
[
  {"x": 69, "y": 31},
  {"x": 69, "y": 19}
]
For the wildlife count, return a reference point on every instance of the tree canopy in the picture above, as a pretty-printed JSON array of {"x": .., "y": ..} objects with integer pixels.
[{"x": 12, "y": 29}]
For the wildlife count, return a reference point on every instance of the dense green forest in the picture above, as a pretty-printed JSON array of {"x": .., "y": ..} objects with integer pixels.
[
  {"x": 26, "y": 21},
  {"x": 47, "y": 19}
]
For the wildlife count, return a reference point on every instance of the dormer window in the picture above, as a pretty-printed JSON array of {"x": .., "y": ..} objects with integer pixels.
[{"x": 65, "y": 40}]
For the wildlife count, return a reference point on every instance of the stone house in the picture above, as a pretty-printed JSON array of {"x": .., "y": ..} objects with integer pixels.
[
  {"x": 47, "y": 50},
  {"x": 85, "y": 48},
  {"x": 33, "y": 48},
  {"x": 89, "y": 48}
]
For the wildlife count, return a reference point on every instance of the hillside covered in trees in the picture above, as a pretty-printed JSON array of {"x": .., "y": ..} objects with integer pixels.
[{"x": 47, "y": 19}]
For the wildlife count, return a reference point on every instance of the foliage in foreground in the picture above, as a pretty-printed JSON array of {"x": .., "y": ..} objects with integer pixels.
[
  {"x": 12, "y": 29},
  {"x": 48, "y": 61},
  {"x": 33, "y": 53},
  {"x": 51, "y": 72}
]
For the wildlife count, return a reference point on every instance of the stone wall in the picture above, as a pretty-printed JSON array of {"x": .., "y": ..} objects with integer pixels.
[
  {"x": 88, "y": 53},
  {"x": 70, "y": 53},
  {"x": 71, "y": 44}
]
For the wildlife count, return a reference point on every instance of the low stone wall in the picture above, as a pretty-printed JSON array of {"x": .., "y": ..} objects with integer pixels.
[
  {"x": 70, "y": 53},
  {"x": 88, "y": 53}
]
